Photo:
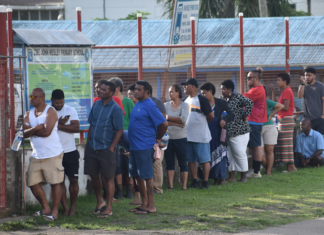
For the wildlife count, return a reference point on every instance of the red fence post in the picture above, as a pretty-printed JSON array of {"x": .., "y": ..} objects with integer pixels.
[
  {"x": 11, "y": 77},
  {"x": 193, "y": 48},
  {"x": 140, "y": 48},
  {"x": 3, "y": 100},
  {"x": 241, "y": 53},
  {"x": 287, "y": 42},
  {"x": 79, "y": 25}
]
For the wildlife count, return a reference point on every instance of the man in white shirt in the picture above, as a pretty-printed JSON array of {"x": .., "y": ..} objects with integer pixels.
[{"x": 68, "y": 124}]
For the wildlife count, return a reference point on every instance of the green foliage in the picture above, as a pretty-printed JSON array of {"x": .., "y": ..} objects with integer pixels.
[
  {"x": 235, "y": 207},
  {"x": 133, "y": 16},
  {"x": 99, "y": 19}
]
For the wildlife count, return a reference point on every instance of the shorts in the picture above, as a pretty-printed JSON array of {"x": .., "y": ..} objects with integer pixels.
[
  {"x": 71, "y": 164},
  {"x": 99, "y": 160},
  {"x": 255, "y": 136},
  {"x": 45, "y": 171},
  {"x": 318, "y": 125},
  {"x": 123, "y": 165},
  {"x": 198, "y": 152},
  {"x": 269, "y": 135},
  {"x": 141, "y": 164}
]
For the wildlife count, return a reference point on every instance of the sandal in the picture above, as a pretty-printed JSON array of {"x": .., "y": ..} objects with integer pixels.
[
  {"x": 144, "y": 212},
  {"x": 38, "y": 213},
  {"x": 104, "y": 216},
  {"x": 170, "y": 189},
  {"x": 135, "y": 209},
  {"x": 49, "y": 218}
]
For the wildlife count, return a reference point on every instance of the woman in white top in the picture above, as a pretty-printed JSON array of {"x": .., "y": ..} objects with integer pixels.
[{"x": 176, "y": 114}]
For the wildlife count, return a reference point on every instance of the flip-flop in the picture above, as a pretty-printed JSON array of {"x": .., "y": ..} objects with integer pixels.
[
  {"x": 170, "y": 189},
  {"x": 135, "y": 209},
  {"x": 103, "y": 208},
  {"x": 49, "y": 218},
  {"x": 38, "y": 213},
  {"x": 104, "y": 216},
  {"x": 97, "y": 211},
  {"x": 138, "y": 212}
]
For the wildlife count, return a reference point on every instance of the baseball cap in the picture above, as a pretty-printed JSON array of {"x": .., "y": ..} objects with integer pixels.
[{"x": 190, "y": 81}]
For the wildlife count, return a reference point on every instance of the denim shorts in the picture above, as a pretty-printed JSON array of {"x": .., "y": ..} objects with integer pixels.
[
  {"x": 141, "y": 163},
  {"x": 255, "y": 136},
  {"x": 198, "y": 152}
]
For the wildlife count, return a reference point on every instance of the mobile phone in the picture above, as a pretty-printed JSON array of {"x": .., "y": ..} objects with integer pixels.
[{"x": 67, "y": 116}]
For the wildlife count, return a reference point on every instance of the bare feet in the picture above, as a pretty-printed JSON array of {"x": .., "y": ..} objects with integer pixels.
[
  {"x": 145, "y": 211},
  {"x": 291, "y": 167},
  {"x": 221, "y": 182},
  {"x": 71, "y": 212},
  {"x": 65, "y": 213}
]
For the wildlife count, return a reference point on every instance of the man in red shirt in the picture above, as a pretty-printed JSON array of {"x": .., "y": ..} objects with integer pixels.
[
  {"x": 256, "y": 119},
  {"x": 115, "y": 98}
]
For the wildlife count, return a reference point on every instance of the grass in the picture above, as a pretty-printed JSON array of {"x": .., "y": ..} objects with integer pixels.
[{"x": 271, "y": 201}]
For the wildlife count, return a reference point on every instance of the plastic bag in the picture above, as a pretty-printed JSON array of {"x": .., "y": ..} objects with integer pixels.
[{"x": 157, "y": 153}]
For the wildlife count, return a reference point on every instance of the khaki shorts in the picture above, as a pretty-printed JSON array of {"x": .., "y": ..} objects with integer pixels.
[
  {"x": 45, "y": 171},
  {"x": 269, "y": 135}
]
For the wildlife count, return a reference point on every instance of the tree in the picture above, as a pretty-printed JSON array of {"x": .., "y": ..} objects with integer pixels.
[
  {"x": 226, "y": 8},
  {"x": 133, "y": 16}
]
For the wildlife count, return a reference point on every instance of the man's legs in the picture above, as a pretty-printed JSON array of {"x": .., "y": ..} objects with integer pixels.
[
  {"x": 39, "y": 193},
  {"x": 74, "y": 191},
  {"x": 143, "y": 192},
  {"x": 64, "y": 199},
  {"x": 110, "y": 186},
  {"x": 56, "y": 198},
  {"x": 147, "y": 196},
  {"x": 96, "y": 184},
  {"x": 158, "y": 174},
  {"x": 316, "y": 161}
]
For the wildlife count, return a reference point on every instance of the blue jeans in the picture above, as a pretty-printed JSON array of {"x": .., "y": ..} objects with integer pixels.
[{"x": 141, "y": 164}]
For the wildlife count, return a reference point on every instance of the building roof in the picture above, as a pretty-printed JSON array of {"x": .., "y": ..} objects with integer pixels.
[
  {"x": 210, "y": 31},
  {"x": 45, "y": 37},
  {"x": 31, "y": 2}
]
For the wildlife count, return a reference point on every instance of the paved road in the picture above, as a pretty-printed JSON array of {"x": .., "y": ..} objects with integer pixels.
[{"x": 309, "y": 227}]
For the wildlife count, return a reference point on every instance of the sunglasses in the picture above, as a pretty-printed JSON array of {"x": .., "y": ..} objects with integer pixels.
[
  {"x": 249, "y": 78},
  {"x": 33, "y": 97}
]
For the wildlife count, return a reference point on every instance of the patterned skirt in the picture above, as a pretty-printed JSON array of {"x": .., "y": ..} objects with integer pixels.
[{"x": 284, "y": 148}]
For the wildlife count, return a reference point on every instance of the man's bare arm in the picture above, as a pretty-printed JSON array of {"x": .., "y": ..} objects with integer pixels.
[
  {"x": 51, "y": 119},
  {"x": 28, "y": 130},
  {"x": 73, "y": 127},
  {"x": 89, "y": 133},
  {"x": 116, "y": 139},
  {"x": 210, "y": 117}
]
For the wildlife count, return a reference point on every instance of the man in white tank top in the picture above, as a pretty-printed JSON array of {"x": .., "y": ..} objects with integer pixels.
[
  {"x": 68, "y": 124},
  {"x": 40, "y": 124}
]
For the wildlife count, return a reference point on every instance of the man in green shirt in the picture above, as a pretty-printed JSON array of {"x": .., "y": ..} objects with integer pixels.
[{"x": 124, "y": 160}]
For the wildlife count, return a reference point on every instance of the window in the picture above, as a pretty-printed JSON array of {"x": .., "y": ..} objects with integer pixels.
[
  {"x": 24, "y": 15},
  {"x": 15, "y": 14},
  {"x": 54, "y": 15},
  {"x": 45, "y": 15},
  {"x": 34, "y": 15}
]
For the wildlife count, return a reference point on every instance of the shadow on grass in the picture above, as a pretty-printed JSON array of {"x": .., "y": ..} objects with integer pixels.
[{"x": 270, "y": 201}]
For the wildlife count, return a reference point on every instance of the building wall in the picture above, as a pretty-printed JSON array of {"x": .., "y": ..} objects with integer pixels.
[
  {"x": 317, "y": 6},
  {"x": 114, "y": 9}
]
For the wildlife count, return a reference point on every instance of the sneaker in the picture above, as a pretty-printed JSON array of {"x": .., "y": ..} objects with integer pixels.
[
  {"x": 194, "y": 184},
  {"x": 253, "y": 175},
  {"x": 249, "y": 173},
  {"x": 129, "y": 194},
  {"x": 119, "y": 194},
  {"x": 205, "y": 185}
]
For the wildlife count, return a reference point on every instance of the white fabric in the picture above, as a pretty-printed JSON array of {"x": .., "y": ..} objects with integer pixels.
[
  {"x": 44, "y": 147},
  {"x": 237, "y": 153},
  {"x": 196, "y": 125},
  {"x": 67, "y": 139}
]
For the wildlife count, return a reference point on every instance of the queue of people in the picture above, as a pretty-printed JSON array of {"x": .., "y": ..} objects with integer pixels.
[{"x": 207, "y": 135}]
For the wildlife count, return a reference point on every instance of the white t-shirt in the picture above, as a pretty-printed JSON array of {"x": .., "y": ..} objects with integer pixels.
[
  {"x": 67, "y": 139},
  {"x": 196, "y": 125}
]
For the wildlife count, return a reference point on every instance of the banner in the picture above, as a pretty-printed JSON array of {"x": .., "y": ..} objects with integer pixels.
[
  {"x": 65, "y": 68},
  {"x": 181, "y": 32}
]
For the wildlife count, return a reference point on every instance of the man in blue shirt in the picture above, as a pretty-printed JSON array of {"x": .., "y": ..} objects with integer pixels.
[
  {"x": 309, "y": 145},
  {"x": 147, "y": 126},
  {"x": 106, "y": 128}
]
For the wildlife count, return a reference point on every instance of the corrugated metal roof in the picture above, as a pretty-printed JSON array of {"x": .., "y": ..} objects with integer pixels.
[
  {"x": 210, "y": 31},
  {"x": 44, "y": 37}
]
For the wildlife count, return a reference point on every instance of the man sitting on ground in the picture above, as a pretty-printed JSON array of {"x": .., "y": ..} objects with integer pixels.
[{"x": 309, "y": 145}]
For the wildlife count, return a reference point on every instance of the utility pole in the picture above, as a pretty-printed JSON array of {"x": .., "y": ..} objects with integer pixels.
[{"x": 263, "y": 8}]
